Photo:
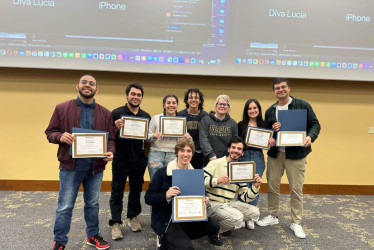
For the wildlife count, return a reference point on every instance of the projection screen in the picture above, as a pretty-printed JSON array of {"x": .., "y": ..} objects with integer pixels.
[{"x": 256, "y": 38}]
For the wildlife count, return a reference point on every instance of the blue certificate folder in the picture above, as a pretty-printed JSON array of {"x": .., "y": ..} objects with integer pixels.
[
  {"x": 292, "y": 120},
  {"x": 84, "y": 130},
  {"x": 190, "y": 183}
]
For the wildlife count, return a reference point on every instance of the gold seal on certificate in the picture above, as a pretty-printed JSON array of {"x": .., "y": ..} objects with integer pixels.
[
  {"x": 172, "y": 126},
  {"x": 291, "y": 138},
  {"x": 258, "y": 137},
  {"x": 189, "y": 208},
  {"x": 241, "y": 171},
  {"x": 134, "y": 128},
  {"x": 87, "y": 145}
]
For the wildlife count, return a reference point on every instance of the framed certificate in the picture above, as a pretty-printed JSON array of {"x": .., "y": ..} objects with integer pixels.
[
  {"x": 241, "y": 171},
  {"x": 291, "y": 138},
  {"x": 134, "y": 128},
  {"x": 258, "y": 137},
  {"x": 189, "y": 208},
  {"x": 87, "y": 145},
  {"x": 173, "y": 126}
]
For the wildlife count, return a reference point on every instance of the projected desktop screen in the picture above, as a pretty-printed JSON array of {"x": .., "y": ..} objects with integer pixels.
[{"x": 266, "y": 38}]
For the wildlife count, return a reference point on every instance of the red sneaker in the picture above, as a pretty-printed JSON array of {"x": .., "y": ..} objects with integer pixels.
[
  {"x": 58, "y": 246},
  {"x": 97, "y": 241}
]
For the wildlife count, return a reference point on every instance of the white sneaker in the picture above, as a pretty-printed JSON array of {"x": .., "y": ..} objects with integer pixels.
[
  {"x": 298, "y": 230},
  {"x": 267, "y": 221},
  {"x": 250, "y": 225}
]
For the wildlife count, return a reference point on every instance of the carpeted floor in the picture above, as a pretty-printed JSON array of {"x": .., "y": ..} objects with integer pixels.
[{"x": 330, "y": 222}]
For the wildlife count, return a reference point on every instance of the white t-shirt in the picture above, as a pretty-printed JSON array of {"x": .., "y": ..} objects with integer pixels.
[{"x": 284, "y": 107}]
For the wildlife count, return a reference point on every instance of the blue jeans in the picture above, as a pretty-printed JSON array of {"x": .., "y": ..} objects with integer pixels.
[
  {"x": 158, "y": 159},
  {"x": 258, "y": 157},
  {"x": 69, "y": 186}
]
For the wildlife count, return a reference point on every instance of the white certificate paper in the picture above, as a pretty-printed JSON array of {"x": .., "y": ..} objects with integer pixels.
[
  {"x": 243, "y": 171},
  {"x": 189, "y": 208},
  {"x": 88, "y": 145},
  {"x": 258, "y": 137},
  {"x": 172, "y": 126},
  {"x": 287, "y": 138},
  {"x": 134, "y": 128}
]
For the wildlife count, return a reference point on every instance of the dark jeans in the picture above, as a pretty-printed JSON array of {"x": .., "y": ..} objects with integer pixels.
[
  {"x": 179, "y": 235},
  {"x": 197, "y": 161},
  {"x": 120, "y": 171}
]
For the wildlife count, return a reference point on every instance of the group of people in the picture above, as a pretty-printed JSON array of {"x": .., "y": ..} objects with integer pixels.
[{"x": 212, "y": 140}]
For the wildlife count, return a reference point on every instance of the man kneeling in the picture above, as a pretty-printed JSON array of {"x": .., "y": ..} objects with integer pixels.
[
  {"x": 223, "y": 207},
  {"x": 159, "y": 195}
]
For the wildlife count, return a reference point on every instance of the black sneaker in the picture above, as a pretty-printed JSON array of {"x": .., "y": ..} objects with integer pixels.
[
  {"x": 58, "y": 246},
  {"x": 215, "y": 240},
  {"x": 97, "y": 241}
]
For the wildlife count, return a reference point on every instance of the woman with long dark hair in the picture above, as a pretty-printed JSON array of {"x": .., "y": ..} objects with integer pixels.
[
  {"x": 252, "y": 116},
  {"x": 162, "y": 148}
]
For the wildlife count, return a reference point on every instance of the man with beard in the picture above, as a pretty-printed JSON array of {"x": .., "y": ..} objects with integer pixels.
[
  {"x": 129, "y": 161},
  {"x": 82, "y": 112},
  {"x": 229, "y": 211}
]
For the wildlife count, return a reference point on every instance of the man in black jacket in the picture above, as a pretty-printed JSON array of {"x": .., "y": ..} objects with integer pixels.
[
  {"x": 289, "y": 159},
  {"x": 159, "y": 194}
]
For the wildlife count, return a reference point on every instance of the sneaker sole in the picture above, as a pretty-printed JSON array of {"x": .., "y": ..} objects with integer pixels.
[
  {"x": 88, "y": 243},
  {"x": 117, "y": 238},
  {"x": 269, "y": 224}
]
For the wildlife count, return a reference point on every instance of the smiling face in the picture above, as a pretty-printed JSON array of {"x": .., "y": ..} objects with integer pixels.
[
  {"x": 184, "y": 155},
  {"x": 222, "y": 107},
  {"x": 87, "y": 87},
  {"x": 193, "y": 100},
  {"x": 253, "y": 110},
  {"x": 170, "y": 106},
  {"x": 235, "y": 151},
  {"x": 282, "y": 91},
  {"x": 135, "y": 97}
]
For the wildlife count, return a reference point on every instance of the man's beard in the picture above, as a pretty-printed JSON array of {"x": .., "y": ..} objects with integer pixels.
[
  {"x": 87, "y": 96},
  {"x": 134, "y": 106}
]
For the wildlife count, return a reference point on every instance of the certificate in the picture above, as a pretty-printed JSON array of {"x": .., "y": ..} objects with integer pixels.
[
  {"x": 241, "y": 171},
  {"x": 172, "y": 126},
  {"x": 87, "y": 145},
  {"x": 134, "y": 128},
  {"x": 258, "y": 137},
  {"x": 189, "y": 208},
  {"x": 291, "y": 138}
]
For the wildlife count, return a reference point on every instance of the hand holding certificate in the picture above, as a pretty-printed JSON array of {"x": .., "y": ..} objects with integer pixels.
[
  {"x": 134, "y": 128},
  {"x": 173, "y": 126},
  {"x": 241, "y": 171},
  {"x": 258, "y": 137}
]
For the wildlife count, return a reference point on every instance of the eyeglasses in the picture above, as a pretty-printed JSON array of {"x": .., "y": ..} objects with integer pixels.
[
  {"x": 280, "y": 87},
  {"x": 222, "y": 104}
]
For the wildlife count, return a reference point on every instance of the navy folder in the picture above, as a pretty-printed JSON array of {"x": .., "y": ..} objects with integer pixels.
[
  {"x": 190, "y": 183},
  {"x": 292, "y": 120}
]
